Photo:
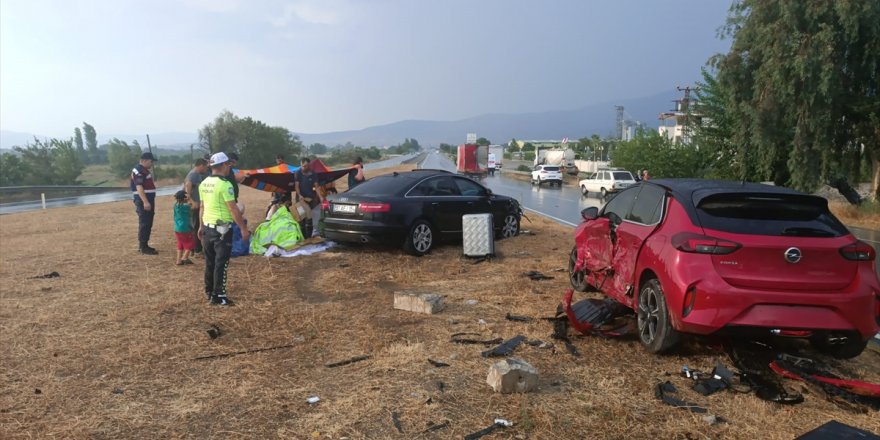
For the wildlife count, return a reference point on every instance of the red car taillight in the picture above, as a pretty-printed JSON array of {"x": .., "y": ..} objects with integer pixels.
[
  {"x": 703, "y": 244},
  {"x": 374, "y": 207},
  {"x": 325, "y": 204},
  {"x": 858, "y": 251}
]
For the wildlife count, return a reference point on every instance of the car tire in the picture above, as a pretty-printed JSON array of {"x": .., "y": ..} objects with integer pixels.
[
  {"x": 848, "y": 349},
  {"x": 652, "y": 314},
  {"x": 420, "y": 239},
  {"x": 578, "y": 279},
  {"x": 603, "y": 193},
  {"x": 510, "y": 227},
  {"x": 584, "y": 191}
]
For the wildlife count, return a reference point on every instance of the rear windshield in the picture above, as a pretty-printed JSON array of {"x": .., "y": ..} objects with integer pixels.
[
  {"x": 771, "y": 214},
  {"x": 551, "y": 168},
  {"x": 623, "y": 175},
  {"x": 388, "y": 184}
]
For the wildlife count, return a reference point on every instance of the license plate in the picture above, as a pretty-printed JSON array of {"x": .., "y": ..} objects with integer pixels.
[{"x": 345, "y": 208}]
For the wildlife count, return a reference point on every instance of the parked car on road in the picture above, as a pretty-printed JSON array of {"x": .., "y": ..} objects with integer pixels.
[
  {"x": 604, "y": 182},
  {"x": 710, "y": 257},
  {"x": 415, "y": 209},
  {"x": 551, "y": 174}
]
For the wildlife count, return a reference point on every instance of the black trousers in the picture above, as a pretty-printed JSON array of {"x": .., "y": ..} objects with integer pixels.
[
  {"x": 194, "y": 223},
  {"x": 145, "y": 221},
  {"x": 217, "y": 248}
]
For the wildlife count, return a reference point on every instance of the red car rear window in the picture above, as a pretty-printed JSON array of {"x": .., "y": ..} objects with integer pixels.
[{"x": 771, "y": 214}]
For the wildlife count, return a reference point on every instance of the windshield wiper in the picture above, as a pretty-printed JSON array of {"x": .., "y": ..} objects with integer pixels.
[{"x": 806, "y": 232}]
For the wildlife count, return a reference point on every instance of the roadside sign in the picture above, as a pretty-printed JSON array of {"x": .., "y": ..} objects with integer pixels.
[{"x": 472, "y": 138}]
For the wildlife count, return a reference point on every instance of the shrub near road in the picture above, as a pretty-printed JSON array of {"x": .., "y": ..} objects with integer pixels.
[{"x": 110, "y": 345}]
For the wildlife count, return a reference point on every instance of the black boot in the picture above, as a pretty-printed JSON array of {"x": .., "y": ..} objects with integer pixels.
[{"x": 147, "y": 250}]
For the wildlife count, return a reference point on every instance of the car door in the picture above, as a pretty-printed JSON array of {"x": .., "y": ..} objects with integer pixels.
[
  {"x": 447, "y": 204},
  {"x": 637, "y": 226},
  {"x": 474, "y": 195},
  {"x": 603, "y": 240}
]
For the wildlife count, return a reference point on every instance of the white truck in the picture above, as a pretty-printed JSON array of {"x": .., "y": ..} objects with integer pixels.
[
  {"x": 563, "y": 158},
  {"x": 498, "y": 151}
]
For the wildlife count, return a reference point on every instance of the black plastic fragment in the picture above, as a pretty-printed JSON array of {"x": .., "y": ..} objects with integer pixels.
[
  {"x": 458, "y": 339},
  {"x": 485, "y": 431},
  {"x": 536, "y": 276},
  {"x": 437, "y": 364},
  {"x": 505, "y": 348},
  {"x": 214, "y": 332},
  {"x": 48, "y": 275},
  {"x": 662, "y": 392},
  {"x": 837, "y": 430},
  {"x": 436, "y": 427},
  {"x": 753, "y": 362},
  {"x": 395, "y": 418},
  {"x": 510, "y": 317},
  {"x": 347, "y": 361}
]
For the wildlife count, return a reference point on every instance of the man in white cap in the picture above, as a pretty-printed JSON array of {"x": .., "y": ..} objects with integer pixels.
[{"x": 217, "y": 212}]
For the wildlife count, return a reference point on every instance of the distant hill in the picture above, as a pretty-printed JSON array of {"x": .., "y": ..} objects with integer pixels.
[
  {"x": 497, "y": 127},
  {"x": 500, "y": 128}
]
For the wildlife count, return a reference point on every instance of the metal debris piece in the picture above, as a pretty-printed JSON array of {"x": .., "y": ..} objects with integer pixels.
[
  {"x": 214, "y": 332},
  {"x": 313, "y": 400},
  {"x": 235, "y": 353},
  {"x": 499, "y": 423},
  {"x": 437, "y": 364},
  {"x": 505, "y": 348},
  {"x": 347, "y": 361}
]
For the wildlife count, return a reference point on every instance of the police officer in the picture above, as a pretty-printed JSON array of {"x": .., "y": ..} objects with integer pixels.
[
  {"x": 143, "y": 190},
  {"x": 217, "y": 212}
]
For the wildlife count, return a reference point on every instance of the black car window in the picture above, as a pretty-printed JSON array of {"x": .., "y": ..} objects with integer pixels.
[
  {"x": 436, "y": 186},
  {"x": 648, "y": 205},
  {"x": 622, "y": 202},
  {"x": 622, "y": 175},
  {"x": 388, "y": 184},
  {"x": 468, "y": 187},
  {"x": 546, "y": 168},
  {"x": 769, "y": 214}
]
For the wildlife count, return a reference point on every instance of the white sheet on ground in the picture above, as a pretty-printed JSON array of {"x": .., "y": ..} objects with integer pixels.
[{"x": 275, "y": 251}]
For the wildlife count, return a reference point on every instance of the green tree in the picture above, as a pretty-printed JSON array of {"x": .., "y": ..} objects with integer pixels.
[
  {"x": 317, "y": 148},
  {"x": 66, "y": 162},
  {"x": 528, "y": 147},
  {"x": 512, "y": 146},
  {"x": 50, "y": 162},
  {"x": 801, "y": 82},
  {"x": 713, "y": 133},
  {"x": 80, "y": 148},
  {"x": 91, "y": 138},
  {"x": 122, "y": 157},
  {"x": 255, "y": 142},
  {"x": 483, "y": 141},
  {"x": 12, "y": 170},
  {"x": 649, "y": 150}
]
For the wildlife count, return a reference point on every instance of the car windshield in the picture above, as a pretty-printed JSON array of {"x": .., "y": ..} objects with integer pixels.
[
  {"x": 623, "y": 175},
  {"x": 551, "y": 168},
  {"x": 772, "y": 214}
]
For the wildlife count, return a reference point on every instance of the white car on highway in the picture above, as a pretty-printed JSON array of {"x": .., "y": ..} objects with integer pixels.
[
  {"x": 605, "y": 182},
  {"x": 547, "y": 174}
]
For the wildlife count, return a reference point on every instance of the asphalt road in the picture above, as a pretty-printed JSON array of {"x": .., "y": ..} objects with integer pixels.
[{"x": 565, "y": 204}]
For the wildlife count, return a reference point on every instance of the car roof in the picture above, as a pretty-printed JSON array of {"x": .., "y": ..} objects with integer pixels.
[{"x": 690, "y": 192}]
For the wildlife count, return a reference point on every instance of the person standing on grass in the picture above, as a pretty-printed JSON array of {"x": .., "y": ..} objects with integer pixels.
[
  {"x": 356, "y": 175},
  {"x": 191, "y": 187},
  {"x": 143, "y": 190},
  {"x": 217, "y": 212},
  {"x": 183, "y": 230},
  {"x": 306, "y": 183}
]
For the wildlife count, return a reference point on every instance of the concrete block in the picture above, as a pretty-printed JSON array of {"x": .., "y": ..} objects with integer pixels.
[
  {"x": 512, "y": 375},
  {"x": 419, "y": 302}
]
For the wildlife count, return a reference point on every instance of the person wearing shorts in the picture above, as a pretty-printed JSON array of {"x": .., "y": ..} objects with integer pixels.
[{"x": 183, "y": 231}]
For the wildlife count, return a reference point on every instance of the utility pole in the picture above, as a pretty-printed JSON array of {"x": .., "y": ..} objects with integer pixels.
[{"x": 149, "y": 147}]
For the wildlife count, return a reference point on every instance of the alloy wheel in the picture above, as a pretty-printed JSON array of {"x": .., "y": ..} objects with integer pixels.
[
  {"x": 422, "y": 237},
  {"x": 648, "y": 314},
  {"x": 511, "y": 226}
]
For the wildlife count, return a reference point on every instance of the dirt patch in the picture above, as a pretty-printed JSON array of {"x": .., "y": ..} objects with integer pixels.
[{"x": 111, "y": 344}]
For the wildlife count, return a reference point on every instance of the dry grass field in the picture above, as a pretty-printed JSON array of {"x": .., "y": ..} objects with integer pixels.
[{"x": 109, "y": 349}]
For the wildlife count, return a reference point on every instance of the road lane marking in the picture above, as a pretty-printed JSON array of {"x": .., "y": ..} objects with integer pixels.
[{"x": 550, "y": 216}]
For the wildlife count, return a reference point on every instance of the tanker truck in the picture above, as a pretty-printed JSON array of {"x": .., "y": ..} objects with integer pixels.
[{"x": 557, "y": 156}]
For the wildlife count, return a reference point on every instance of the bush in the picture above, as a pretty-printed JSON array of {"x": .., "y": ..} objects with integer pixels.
[
  {"x": 528, "y": 155},
  {"x": 523, "y": 168}
]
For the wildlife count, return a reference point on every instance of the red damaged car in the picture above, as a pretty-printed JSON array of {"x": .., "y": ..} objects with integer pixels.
[{"x": 704, "y": 257}]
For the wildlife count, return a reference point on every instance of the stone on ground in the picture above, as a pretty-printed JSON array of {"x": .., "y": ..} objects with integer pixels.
[
  {"x": 512, "y": 375},
  {"x": 419, "y": 302}
]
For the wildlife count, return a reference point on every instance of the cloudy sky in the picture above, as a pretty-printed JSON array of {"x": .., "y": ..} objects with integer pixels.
[{"x": 131, "y": 66}]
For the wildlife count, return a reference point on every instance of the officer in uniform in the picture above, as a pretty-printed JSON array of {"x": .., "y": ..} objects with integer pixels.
[
  {"x": 143, "y": 190},
  {"x": 217, "y": 212}
]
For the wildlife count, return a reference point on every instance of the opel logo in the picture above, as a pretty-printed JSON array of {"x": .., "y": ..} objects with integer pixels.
[{"x": 793, "y": 255}]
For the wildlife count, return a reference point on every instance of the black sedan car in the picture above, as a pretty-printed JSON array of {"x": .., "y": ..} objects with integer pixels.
[{"x": 415, "y": 209}]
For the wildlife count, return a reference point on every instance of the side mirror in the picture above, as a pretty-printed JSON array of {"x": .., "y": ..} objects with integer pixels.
[
  {"x": 614, "y": 218},
  {"x": 488, "y": 191},
  {"x": 590, "y": 213}
]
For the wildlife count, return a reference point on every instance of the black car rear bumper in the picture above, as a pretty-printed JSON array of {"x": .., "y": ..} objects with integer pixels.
[{"x": 360, "y": 231}]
